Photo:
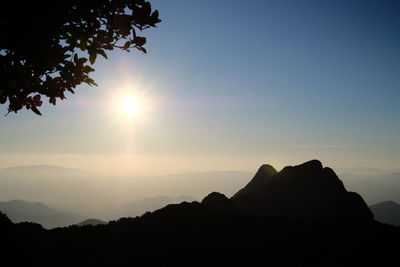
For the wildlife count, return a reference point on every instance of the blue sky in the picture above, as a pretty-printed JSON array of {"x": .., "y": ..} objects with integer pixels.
[{"x": 231, "y": 85}]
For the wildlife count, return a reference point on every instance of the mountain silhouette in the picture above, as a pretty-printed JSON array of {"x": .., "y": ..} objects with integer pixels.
[
  {"x": 23, "y": 211},
  {"x": 137, "y": 208},
  {"x": 219, "y": 202},
  {"x": 262, "y": 177},
  {"x": 305, "y": 192},
  {"x": 224, "y": 232},
  {"x": 387, "y": 212},
  {"x": 92, "y": 222},
  {"x": 4, "y": 220},
  {"x": 374, "y": 188}
]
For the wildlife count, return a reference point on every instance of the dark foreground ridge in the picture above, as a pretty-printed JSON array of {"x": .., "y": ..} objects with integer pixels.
[{"x": 312, "y": 221}]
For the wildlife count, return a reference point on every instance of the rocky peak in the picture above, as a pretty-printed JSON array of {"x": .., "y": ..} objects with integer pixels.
[
  {"x": 261, "y": 178},
  {"x": 307, "y": 191}
]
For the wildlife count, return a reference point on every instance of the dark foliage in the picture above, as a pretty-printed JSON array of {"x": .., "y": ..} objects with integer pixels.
[{"x": 48, "y": 47}]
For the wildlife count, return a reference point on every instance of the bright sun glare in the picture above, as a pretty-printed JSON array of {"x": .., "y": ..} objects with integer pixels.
[{"x": 130, "y": 105}]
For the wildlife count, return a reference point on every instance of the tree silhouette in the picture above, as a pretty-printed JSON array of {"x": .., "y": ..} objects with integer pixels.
[{"x": 48, "y": 48}]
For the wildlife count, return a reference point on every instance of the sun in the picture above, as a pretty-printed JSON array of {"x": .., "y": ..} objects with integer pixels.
[{"x": 130, "y": 105}]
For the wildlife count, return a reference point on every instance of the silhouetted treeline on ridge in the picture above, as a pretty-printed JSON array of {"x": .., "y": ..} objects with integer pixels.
[{"x": 301, "y": 216}]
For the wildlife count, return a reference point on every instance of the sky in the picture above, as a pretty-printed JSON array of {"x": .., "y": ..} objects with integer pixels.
[{"x": 230, "y": 85}]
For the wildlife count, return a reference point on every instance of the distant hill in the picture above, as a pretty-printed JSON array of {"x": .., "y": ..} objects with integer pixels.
[
  {"x": 46, "y": 184},
  {"x": 92, "y": 222},
  {"x": 40, "y": 169},
  {"x": 374, "y": 188},
  {"x": 23, "y": 211},
  {"x": 387, "y": 212},
  {"x": 78, "y": 191}
]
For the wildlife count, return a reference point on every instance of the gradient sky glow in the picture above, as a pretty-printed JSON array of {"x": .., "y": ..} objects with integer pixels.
[{"x": 228, "y": 85}]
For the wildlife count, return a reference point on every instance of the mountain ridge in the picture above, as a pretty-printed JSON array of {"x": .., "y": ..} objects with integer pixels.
[
  {"x": 307, "y": 191},
  {"x": 207, "y": 234},
  {"x": 37, "y": 212}
]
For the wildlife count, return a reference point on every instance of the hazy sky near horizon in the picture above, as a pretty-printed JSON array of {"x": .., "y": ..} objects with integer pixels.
[{"x": 228, "y": 85}]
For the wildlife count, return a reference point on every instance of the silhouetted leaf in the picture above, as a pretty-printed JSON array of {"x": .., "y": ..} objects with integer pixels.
[
  {"x": 101, "y": 52},
  {"x": 82, "y": 45},
  {"x": 91, "y": 82},
  {"x": 139, "y": 41},
  {"x": 52, "y": 100},
  {"x": 3, "y": 99},
  {"x": 127, "y": 44},
  {"x": 82, "y": 60},
  {"x": 36, "y": 100},
  {"x": 142, "y": 49},
  {"x": 34, "y": 109},
  {"x": 88, "y": 69},
  {"x": 92, "y": 58}
]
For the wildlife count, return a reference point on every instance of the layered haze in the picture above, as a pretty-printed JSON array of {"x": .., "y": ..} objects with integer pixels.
[{"x": 106, "y": 197}]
